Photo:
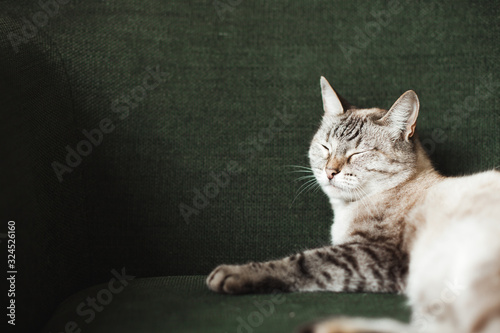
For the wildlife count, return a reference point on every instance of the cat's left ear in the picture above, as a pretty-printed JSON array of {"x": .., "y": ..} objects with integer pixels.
[
  {"x": 402, "y": 116},
  {"x": 331, "y": 102}
]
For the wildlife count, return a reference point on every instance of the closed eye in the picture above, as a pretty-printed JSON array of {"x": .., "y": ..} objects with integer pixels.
[
  {"x": 359, "y": 153},
  {"x": 325, "y": 147}
]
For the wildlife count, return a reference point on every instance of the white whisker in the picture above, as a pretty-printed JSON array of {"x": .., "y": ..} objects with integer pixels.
[
  {"x": 367, "y": 198},
  {"x": 306, "y": 186},
  {"x": 305, "y": 177}
]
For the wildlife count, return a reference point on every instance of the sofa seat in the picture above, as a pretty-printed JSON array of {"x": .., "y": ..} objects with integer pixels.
[{"x": 184, "y": 304}]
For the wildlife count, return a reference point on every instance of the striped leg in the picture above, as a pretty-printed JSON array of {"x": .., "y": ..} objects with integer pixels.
[{"x": 351, "y": 267}]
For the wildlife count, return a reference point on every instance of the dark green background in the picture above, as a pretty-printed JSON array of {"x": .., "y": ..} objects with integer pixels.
[{"x": 228, "y": 73}]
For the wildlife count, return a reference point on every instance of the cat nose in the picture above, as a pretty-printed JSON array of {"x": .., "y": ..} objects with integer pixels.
[{"x": 330, "y": 172}]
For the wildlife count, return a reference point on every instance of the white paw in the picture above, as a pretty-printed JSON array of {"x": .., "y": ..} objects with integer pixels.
[{"x": 228, "y": 279}]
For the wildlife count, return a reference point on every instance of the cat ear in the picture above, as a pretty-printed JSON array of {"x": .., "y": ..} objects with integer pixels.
[
  {"x": 402, "y": 116},
  {"x": 331, "y": 102}
]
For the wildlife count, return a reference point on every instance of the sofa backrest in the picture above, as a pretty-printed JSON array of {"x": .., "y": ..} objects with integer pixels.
[{"x": 161, "y": 136}]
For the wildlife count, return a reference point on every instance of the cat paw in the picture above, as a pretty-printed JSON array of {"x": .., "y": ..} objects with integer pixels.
[{"x": 228, "y": 279}]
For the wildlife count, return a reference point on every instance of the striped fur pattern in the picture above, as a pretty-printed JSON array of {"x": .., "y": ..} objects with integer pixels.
[
  {"x": 350, "y": 267},
  {"x": 399, "y": 227}
]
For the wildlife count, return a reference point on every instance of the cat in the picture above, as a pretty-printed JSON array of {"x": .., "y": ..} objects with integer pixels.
[{"x": 399, "y": 227}]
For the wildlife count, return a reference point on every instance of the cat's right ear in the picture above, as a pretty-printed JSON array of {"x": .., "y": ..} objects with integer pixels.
[
  {"x": 331, "y": 102},
  {"x": 402, "y": 116}
]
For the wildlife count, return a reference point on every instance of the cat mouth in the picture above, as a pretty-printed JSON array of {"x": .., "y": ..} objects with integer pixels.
[
  {"x": 334, "y": 185},
  {"x": 338, "y": 186}
]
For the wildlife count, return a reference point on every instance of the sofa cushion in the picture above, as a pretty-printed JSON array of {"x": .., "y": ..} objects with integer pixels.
[{"x": 184, "y": 304}]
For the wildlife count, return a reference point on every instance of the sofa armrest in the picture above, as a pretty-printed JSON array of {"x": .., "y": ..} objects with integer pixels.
[{"x": 36, "y": 123}]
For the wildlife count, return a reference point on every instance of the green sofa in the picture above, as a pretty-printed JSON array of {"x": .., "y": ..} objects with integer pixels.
[{"x": 146, "y": 142}]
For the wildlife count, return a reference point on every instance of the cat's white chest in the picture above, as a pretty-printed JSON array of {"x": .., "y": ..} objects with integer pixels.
[{"x": 341, "y": 225}]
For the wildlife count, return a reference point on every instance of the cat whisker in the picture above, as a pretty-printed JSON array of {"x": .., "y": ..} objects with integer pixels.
[
  {"x": 307, "y": 185},
  {"x": 298, "y": 167},
  {"x": 358, "y": 197},
  {"x": 367, "y": 198},
  {"x": 363, "y": 201},
  {"x": 318, "y": 187},
  {"x": 305, "y": 177},
  {"x": 301, "y": 167}
]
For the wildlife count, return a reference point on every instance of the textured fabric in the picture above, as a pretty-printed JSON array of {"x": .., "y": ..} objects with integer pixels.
[
  {"x": 183, "y": 304},
  {"x": 240, "y": 84},
  {"x": 35, "y": 121}
]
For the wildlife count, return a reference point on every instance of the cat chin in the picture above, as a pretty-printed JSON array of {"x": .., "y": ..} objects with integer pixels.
[
  {"x": 336, "y": 193},
  {"x": 338, "y": 188}
]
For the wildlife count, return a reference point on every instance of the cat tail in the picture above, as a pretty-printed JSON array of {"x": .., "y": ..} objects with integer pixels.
[{"x": 358, "y": 325}]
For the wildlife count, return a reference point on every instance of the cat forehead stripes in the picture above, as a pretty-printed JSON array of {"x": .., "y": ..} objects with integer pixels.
[
  {"x": 348, "y": 129},
  {"x": 353, "y": 125}
]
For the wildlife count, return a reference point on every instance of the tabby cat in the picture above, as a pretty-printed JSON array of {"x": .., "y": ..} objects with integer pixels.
[{"x": 399, "y": 227}]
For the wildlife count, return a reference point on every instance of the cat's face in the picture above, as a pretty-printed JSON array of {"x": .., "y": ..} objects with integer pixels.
[{"x": 363, "y": 151}]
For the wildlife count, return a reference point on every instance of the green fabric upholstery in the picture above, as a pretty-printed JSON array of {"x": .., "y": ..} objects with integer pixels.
[
  {"x": 183, "y": 304},
  {"x": 238, "y": 88}
]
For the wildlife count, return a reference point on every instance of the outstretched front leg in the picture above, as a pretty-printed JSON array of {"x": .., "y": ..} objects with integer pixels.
[{"x": 350, "y": 267}]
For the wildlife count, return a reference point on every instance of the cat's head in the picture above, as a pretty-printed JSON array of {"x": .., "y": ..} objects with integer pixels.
[{"x": 357, "y": 152}]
